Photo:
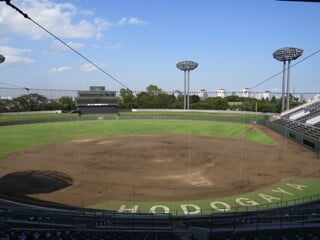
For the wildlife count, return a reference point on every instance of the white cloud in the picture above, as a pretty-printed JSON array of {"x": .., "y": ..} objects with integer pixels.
[
  {"x": 5, "y": 40},
  {"x": 122, "y": 21},
  {"x": 59, "y": 18},
  {"x": 58, "y": 48},
  {"x": 60, "y": 69},
  {"x": 87, "y": 12},
  {"x": 101, "y": 26},
  {"x": 75, "y": 45},
  {"x": 15, "y": 55},
  {"x": 136, "y": 21},
  {"x": 115, "y": 46},
  {"x": 131, "y": 21},
  {"x": 88, "y": 67}
]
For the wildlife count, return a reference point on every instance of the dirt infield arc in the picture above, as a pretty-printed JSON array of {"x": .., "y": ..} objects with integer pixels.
[{"x": 169, "y": 168}]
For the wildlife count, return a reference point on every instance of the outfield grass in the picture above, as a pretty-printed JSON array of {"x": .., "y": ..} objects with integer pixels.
[
  {"x": 255, "y": 136},
  {"x": 19, "y": 137}
]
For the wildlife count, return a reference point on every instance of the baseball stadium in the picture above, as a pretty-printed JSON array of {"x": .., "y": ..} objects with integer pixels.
[
  {"x": 146, "y": 168},
  {"x": 112, "y": 163}
]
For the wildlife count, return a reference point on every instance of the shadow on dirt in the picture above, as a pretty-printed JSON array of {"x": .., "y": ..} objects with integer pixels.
[{"x": 20, "y": 184}]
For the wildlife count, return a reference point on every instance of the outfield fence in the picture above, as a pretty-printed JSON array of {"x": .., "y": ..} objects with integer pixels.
[{"x": 145, "y": 114}]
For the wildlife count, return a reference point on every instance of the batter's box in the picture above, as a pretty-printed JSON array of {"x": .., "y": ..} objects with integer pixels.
[{"x": 200, "y": 182}]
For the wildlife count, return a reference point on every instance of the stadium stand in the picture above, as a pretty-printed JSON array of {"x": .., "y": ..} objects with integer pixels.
[
  {"x": 35, "y": 223},
  {"x": 300, "y": 124},
  {"x": 309, "y": 130},
  {"x": 303, "y": 113}
]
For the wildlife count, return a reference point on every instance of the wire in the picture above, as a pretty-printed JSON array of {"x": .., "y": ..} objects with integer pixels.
[
  {"x": 16, "y": 86},
  {"x": 25, "y": 15},
  {"x": 292, "y": 65}
]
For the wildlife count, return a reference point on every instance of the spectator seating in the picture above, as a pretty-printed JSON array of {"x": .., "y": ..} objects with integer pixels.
[
  {"x": 304, "y": 119},
  {"x": 304, "y": 113},
  {"x": 295, "y": 222}
]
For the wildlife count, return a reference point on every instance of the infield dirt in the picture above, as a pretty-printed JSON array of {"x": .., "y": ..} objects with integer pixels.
[{"x": 152, "y": 168}]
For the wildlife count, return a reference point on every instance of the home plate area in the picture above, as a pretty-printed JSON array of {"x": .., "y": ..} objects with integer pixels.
[{"x": 199, "y": 181}]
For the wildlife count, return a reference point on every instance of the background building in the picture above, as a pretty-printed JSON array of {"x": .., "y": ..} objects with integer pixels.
[
  {"x": 222, "y": 92},
  {"x": 97, "y": 100},
  {"x": 203, "y": 94},
  {"x": 177, "y": 93},
  {"x": 265, "y": 95},
  {"x": 246, "y": 92}
]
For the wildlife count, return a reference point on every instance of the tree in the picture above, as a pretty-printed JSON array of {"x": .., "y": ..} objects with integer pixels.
[
  {"x": 234, "y": 98},
  {"x": 178, "y": 103},
  {"x": 67, "y": 103},
  {"x": 164, "y": 100},
  {"x": 267, "y": 107},
  {"x": 126, "y": 98},
  {"x": 294, "y": 101},
  {"x": 153, "y": 89},
  {"x": 145, "y": 100},
  {"x": 214, "y": 103},
  {"x": 274, "y": 100},
  {"x": 220, "y": 104},
  {"x": 201, "y": 105},
  {"x": 30, "y": 102},
  {"x": 4, "y": 105},
  {"x": 53, "y": 105},
  {"x": 194, "y": 99}
]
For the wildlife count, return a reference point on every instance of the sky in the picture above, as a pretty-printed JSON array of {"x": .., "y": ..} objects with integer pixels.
[{"x": 139, "y": 42}]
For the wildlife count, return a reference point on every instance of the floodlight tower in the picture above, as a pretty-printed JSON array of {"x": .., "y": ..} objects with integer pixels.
[
  {"x": 186, "y": 66},
  {"x": 2, "y": 58},
  {"x": 286, "y": 54}
]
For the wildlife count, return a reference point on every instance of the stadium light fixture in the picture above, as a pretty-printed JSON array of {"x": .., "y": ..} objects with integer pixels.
[
  {"x": 2, "y": 58},
  {"x": 186, "y": 67},
  {"x": 286, "y": 54}
]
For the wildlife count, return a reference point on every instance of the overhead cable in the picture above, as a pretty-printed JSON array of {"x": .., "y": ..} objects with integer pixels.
[{"x": 25, "y": 15}]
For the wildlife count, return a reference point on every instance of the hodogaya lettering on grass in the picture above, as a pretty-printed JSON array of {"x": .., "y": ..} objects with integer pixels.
[{"x": 273, "y": 196}]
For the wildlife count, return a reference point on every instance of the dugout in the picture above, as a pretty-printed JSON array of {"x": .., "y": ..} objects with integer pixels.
[{"x": 97, "y": 100}]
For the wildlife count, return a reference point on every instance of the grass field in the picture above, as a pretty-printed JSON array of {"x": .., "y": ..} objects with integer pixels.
[
  {"x": 285, "y": 193},
  {"x": 19, "y": 137}
]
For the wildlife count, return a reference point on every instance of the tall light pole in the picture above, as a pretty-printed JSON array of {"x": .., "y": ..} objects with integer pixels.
[
  {"x": 2, "y": 58},
  {"x": 186, "y": 67},
  {"x": 286, "y": 54}
]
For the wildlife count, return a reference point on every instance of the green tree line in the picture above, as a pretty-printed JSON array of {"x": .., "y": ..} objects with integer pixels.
[
  {"x": 152, "y": 98},
  {"x": 36, "y": 102},
  {"x": 155, "y": 98}
]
